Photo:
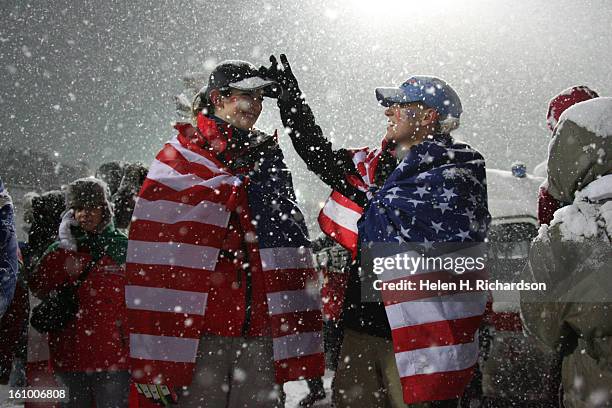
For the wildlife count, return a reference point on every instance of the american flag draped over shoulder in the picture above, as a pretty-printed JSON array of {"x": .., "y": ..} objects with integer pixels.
[
  {"x": 180, "y": 221},
  {"x": 436, "y": 194},
  {"x": 338, "y": 217},
  {"x": 287, "y": 263}
]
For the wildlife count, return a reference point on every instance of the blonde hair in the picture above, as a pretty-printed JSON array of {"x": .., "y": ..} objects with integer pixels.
[{"x": 448, "y": 124}]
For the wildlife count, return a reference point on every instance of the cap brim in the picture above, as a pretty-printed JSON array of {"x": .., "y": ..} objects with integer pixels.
[
  {"x": 391, "y": 96},
  {"x": 271, "y": 88}
]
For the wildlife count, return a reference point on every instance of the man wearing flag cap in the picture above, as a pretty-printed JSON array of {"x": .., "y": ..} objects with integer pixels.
[{"x": 397, "y": 351}]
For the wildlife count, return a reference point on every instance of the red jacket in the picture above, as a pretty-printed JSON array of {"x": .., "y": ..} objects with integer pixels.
[
  {"x": 332, "y": 293},
  {"x": 547, "y": 205},
  {"x": 96, "y": 339}
]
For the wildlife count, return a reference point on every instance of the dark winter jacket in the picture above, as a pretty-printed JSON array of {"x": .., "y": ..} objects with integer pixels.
[
  {"x": 8, "y": 250},
  {"x": 13, "y": 328},
  {"x": 47, "y": 212},
  {"x": 97, "y": 338},
  {"x": 124, "y": 199}
]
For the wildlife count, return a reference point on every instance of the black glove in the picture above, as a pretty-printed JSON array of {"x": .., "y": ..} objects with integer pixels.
[
  {"x": 283, "y": 76},
  {"x": 386, "y": 164}
]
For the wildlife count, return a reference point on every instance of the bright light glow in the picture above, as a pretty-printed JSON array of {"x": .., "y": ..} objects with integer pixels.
[
  {"x": 381, "y": 7},
  {"x": 396, "y": 10}
]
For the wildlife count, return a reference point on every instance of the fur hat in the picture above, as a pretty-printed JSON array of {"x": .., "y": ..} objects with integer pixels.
[{"x": 89, "y": 192}]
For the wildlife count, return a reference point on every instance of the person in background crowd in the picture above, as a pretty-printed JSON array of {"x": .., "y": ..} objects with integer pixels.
[
  {"x": 573, "y": 254},
  {"x": 28, "y": 212},
  {"x": 502, "y": 386},
  {"x": 111, "y": 173},
  {"x": 47, "y": 210},
  {"x": 13, "y": 332},
  {"x": 547, "y": 205},
  {"x": 124, "y": 199},
  {"x": 25, "y": 351},
  {"x": 11, "y": 290},
  {"x": 89, "y": 355},
  {"x": 8, "y": 250}
]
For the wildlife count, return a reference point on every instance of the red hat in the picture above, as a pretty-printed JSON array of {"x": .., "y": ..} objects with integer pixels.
[{"x": 564, "y": 100}]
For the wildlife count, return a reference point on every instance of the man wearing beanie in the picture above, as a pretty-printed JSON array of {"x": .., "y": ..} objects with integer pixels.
[
  {"x": 90, "y": 354},
  {"x": 572, "y": 256}
]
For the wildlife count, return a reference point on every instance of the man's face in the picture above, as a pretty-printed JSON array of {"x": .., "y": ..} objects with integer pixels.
[
  {"x": 240, "y": 109},
  {"x": 89, "y": 217},
  {"x": 405, "y": 122}
]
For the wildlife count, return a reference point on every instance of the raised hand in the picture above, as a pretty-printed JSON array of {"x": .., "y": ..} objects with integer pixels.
[{"x": 283, "y": 75}]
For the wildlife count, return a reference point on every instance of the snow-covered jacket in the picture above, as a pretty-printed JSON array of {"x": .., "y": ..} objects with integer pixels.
[
  {"x": 573, "y": 255},
  {"x": 8, "y": 250},
  {"x": 97, "y": 338},
  {"x": 547, "y": 205}
]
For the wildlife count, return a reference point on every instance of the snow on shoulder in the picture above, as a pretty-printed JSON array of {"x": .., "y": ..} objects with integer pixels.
[
  {"x": 585, "y": 217},
  {"x": 594, "y": 115}
]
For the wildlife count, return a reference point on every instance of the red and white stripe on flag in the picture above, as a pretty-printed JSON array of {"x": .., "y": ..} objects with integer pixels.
[
  {"x": 179, "y": 222},
  {"x": 338, "y": 217},
  {"x": 434, "y": 331},
  {"x": 294, "y": 307}
]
